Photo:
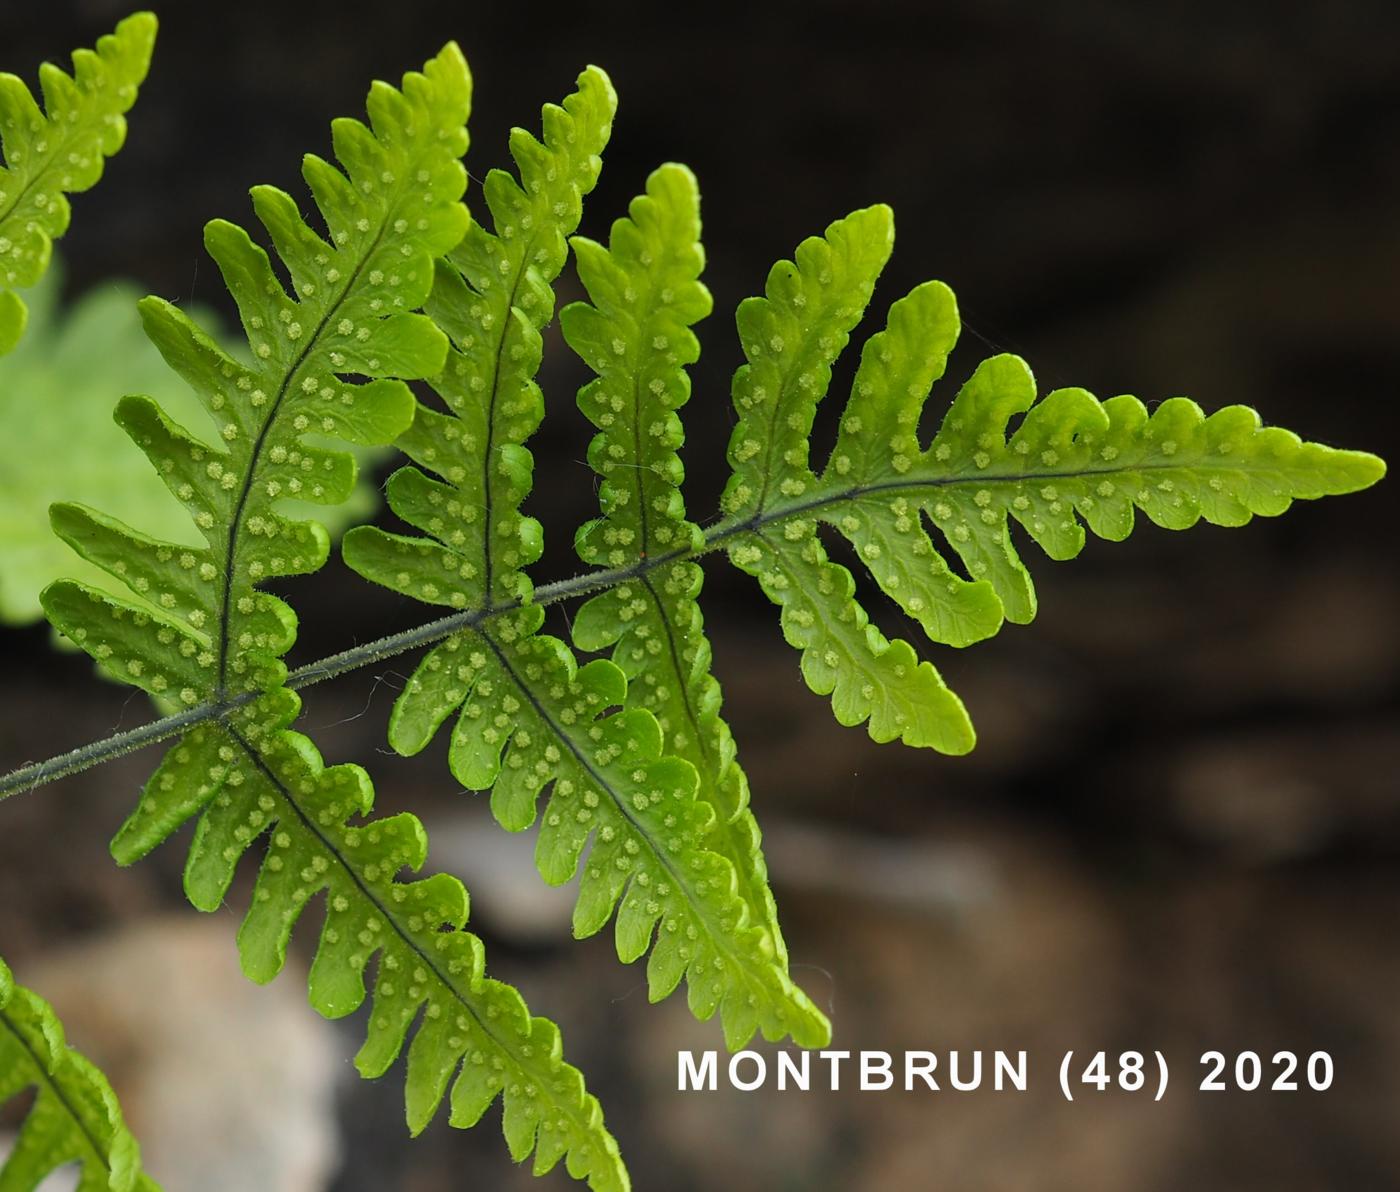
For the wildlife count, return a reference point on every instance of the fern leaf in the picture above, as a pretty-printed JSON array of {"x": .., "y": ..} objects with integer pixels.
[
  {"x": 646, "y": 294},
  {"x": 529, "y": 717},
  {"x": 494, "y": 295},
  {"x": 200, "y": 628},
  {"x": 75, "y": 1117},
  {"x": 56, "y": 395},
  {"x": 396, "y": 207},
  {"x": 532, "y": 720},
  {"x": 60, "y": 150},
  {"x": 1070, "y": 462},
  {"x": 476, "y": 1039}
]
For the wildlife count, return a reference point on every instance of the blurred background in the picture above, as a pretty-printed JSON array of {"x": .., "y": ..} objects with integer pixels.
[{"x": 1181, "y": 827}]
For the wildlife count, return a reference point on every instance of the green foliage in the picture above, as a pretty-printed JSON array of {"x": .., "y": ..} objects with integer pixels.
[
  {"x": 56, "y": 394},
  {"x": 529, "y": 718},
  {"x": 75, "y": 1117},
  {"x": 645, "y": 293},
  {"x": 331, "y": 359},
  {"x": 655, "y": 784},
  {"x": 492, "y": 296},
  {"x": 623, "y": 764},
  {"x": 351, "y": 318},
  {"x": 250, "y": 777},
  {"x": 1070, "y": 462},
  {"x": 60, "y": 150}
]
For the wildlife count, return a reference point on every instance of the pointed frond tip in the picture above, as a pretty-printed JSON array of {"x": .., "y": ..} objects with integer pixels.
[
  {"x": 75, "y": 1117},
  {"x": 60, "y": 150},
  {"x": 1053, "y": 466}
]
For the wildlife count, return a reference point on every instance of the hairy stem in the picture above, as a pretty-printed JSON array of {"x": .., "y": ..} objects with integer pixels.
[{"x": 30, "y": 777}]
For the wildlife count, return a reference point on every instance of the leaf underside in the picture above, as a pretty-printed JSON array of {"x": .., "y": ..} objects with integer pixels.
[
  {"x": 622, "y": 764},
  {"x": 913, "y": 513},
  {"x": 330, "y": 354},
  {"x": 75, "y": 1117},
  {"x": 529, "y": 720},
  {"x": 60, "y": 150},
  {"x": 55, "y": 400},
  {"x": 634, "y": 333}
]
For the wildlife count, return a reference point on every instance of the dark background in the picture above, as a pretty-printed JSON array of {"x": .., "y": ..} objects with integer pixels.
[{"x": 1181, "y": 827}]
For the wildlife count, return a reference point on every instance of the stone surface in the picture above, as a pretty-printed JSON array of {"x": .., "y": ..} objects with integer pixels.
[{"x": 230, "y": 1087}]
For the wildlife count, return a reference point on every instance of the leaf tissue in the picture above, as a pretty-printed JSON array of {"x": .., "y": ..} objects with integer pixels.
[
  {"x": 75, "y": 1117},
  {"x": 611, "y": 746},
  {"x": 60, "y": 150}
]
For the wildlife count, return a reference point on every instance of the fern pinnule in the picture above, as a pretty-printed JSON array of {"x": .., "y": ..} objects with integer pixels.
[
  {"x": 644, "y": 295},
  {"x": 60, "y": 150},
  {"x": 476, "y": 1037},
  {"x": 75, "y": 1117},
  {"x": 493, "y": 295},
  {"x": 1071, "y": 462},
  {"x": 351, "y": 316}
]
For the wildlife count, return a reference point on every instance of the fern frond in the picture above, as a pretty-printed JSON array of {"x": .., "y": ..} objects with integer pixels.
[
  {"x": 254, "y": 779},
  {"x": 75, "y": 1117},
  {"x": 646, "y": 294},
  {"x": 1070, "y": 462},
  {"x": 396, "y": 207},
  {"x": 56, "y": 391},
  {"x": 494, "y": 295},
  {"x": 200, "y": 629},
  {"x": 529, "y": 717},
  {"x": 59, "y": 150}
]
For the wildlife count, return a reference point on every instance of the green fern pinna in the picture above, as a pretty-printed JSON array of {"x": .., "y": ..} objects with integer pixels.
[{"x": 621, "y": 762}]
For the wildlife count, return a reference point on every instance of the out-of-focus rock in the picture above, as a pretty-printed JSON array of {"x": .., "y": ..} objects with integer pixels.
[
  {"x": 915, "y": 874},
  {"x": 1034, "y": 962},
  {"x": 229, "y": 1087},
  {"x": 1277, "y": 795}
]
